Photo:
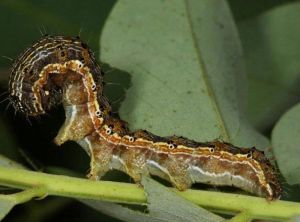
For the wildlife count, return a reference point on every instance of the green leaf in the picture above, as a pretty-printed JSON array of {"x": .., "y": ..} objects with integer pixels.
[
  {"x": 295, "y": 219},
  {"x": 5, "y": 206},
  {"x": 271, "y": 45},
  {"x": 186, "y": 69},
  {"x": 5, "y": 162},
  {"x": 171, "y": 207},
  {"x": 118, "y": 211},
  {"x": 285, "y": 141},
  {"x": 163, "y": 205},
  {"x": 246, "y": 9}
]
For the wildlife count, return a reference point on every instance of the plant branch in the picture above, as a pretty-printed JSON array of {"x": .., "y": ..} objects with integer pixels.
[
  {"x": 66, "y": 186},
  {"x": 26, "y": 195},
  {"x": 73, "y": 187}
]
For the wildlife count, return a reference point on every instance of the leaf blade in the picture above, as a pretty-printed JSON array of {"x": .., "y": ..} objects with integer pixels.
[
  {"x": 191, "y": 98},
  {"x": 272, "y": 55},
  {"x": 285, "y": 141},
  {"x": 163, "y": 205},
  {"x": 5, "y": 206}
]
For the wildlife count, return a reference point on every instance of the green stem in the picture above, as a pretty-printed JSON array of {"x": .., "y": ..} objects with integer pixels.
[
  {"x": 73, "y": 187},
  {"x": 26, "y": 195},
  {"x": 132, "y": 194}
]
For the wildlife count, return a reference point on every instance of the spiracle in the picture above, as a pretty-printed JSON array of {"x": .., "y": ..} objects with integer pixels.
[{"x": 58, "y": 69}]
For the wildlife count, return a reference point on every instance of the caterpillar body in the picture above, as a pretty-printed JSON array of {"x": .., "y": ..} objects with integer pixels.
[{"x": 58, "y": 69}]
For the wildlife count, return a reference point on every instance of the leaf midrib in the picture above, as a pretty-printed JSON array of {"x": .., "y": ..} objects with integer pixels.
[{"x": 209, "y": 89}]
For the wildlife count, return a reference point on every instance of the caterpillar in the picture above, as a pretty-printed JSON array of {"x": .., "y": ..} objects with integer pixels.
[{"x": 58, "y": 69}]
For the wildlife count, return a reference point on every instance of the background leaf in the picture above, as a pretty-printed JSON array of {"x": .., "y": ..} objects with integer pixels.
[
  {"x": 171, "y": 207},
  {"x": 286, "y": 140},
  {"x": 186, "y": 65},
  {"x": 5, "y": 206},
  {"x": 272, "y": 52},
  {"x": 246, "y": 9},
  {"x": 4, "y": 161}
]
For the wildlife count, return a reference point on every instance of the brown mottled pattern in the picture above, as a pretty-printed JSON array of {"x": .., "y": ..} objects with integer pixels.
[{"x": 63, "y": 70}]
